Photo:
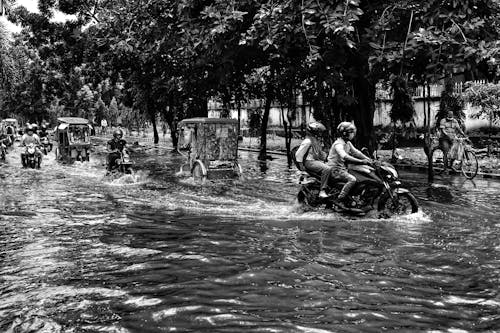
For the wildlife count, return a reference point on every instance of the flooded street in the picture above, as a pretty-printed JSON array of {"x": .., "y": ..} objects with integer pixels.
[{"x": 158, "y": 253}]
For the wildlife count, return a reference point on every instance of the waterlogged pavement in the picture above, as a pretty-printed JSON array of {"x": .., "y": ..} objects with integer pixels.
[{"x": 154, "y": 252}]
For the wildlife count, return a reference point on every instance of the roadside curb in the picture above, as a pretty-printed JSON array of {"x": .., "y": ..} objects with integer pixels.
[{"x": 411, "y": 167}]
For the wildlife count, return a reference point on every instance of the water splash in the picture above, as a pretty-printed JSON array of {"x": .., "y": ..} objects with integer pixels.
[{"x": 135, "y": 178}]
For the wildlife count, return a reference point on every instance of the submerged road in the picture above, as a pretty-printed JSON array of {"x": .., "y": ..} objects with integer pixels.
[{"x": 157, "y": 253}]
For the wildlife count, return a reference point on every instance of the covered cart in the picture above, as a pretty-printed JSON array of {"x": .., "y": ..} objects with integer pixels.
[
  {"x": 10, "y": 127},
  {"x": 73, "y": 137},
  {"x": 212, "y": 148}
]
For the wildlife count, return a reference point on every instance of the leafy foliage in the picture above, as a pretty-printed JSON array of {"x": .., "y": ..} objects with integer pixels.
[
  {"x": 402, "y": 102},
  {"x": 451, "y": 102},
  {"x": 487, "y": 98}
]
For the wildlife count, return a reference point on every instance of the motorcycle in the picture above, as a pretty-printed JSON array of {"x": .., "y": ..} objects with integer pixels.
[
  {"x": 123, "y": 164},
  {"x": 30, "y": 158},
  {"x": 46, "y": 146},
  {"x": 3, "y": 149},
  {"x": 377, "y": 186}
]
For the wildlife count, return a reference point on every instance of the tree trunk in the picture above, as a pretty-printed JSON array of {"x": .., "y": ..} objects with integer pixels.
[
  {"x": 428, "y": 140},
  {"x": 364, "y": 92},
  {"x": 152, "y": 117},
  {"x": 263, "y": 128},
  {"x": 288, "y": 133}
]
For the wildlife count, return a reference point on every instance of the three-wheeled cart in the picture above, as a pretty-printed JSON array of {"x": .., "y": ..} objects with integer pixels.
[
  {"x": 73, "y": 139},
  {"x": 212, "y": 148},
  {"x": 10, "y": 127}
]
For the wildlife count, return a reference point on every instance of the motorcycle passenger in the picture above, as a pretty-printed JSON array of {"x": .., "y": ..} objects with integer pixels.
[
  {"x": 116, "y": 146},
  {"x": 341, "y": 153},
  {"x": 31, "y": 138},
  {"x": 311, "y": 158},
  {"x": 448, "y": 130}
]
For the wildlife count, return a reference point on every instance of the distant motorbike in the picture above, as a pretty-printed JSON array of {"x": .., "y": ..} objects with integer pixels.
[
  {"x": 30, "y": 158},
  {"x": 11, "y": 133},
  {"x": 3, "y": 150},
  {"x": 46, "y": 145},
  {"x": 377, "y": 187},
  {"x": 123, "y": 164}
]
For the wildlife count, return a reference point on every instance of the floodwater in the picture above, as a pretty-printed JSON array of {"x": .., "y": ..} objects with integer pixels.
[{"x": 157, "y": 253}]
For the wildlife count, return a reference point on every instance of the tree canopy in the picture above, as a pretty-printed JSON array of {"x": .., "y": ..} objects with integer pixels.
[{"x": 170, "y": 57}]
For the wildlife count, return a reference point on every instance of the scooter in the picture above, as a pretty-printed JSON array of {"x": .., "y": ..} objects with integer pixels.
[
  {"x": 3, "y": 150},
  {"x": 30, "y": 158},
  {"x": 123, "y": 164},
  {"x": 46, "y": 146}
]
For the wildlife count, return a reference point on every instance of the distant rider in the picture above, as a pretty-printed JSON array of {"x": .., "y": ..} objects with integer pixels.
[
  {"x": 448, "y": 130},
  {"x": 29, "y": 138},
  {"x": 341, "y": 153},
  {"x": 115, "y": 147},
  {"x": 44, "y": 134},
  {"x": 311, "y": 157},
  {"x": 4, "y": 141}
]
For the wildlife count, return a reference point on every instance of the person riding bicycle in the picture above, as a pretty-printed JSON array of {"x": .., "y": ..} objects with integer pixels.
[
  {"x": 115, "y": 146},
  {"x": 311, "y": 158},
  {"x": 31, "y": 138},
  {"x": 342, "y": 152},
  {"x": 448, "y": 130}
]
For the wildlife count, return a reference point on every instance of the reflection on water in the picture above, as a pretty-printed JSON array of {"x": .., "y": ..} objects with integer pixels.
[{"x": 160, "y": 254}]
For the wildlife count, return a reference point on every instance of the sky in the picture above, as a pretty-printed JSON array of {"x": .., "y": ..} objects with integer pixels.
[{"x": 32, "y": 6}]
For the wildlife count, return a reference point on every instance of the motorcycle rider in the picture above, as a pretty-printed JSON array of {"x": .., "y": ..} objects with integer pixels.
[
  {"x": 115, "y": 147},
  {"x": 4, "y": 141},
  {"x": 29, "y": 138},
  {"x": 342, "y": 152},
  {"x": 310, "y": 156},
  {"x": 44, "y": 134}
]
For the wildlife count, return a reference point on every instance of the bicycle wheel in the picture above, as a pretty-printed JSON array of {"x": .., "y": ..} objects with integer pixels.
[
  {"x": 469, "y": 164},
  {"x": 438, "y": 161}
]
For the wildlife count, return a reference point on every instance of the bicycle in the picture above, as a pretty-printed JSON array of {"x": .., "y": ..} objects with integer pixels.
[{"x": 466, "y": 161}]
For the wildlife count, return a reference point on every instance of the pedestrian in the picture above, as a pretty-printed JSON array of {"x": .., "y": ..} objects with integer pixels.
[
  {"x": 104, "y": 126},
  {"x": 164, "y": 129}
]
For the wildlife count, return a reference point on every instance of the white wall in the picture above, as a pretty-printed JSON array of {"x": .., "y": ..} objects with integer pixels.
[{"x": 381, "y": 115}]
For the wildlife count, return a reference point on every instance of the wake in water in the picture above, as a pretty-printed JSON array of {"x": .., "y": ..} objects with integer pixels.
[{"x": 119, "y": 179}]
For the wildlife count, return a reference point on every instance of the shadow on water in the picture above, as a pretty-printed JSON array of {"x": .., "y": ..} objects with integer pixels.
[{"x": 164, "y": 254}]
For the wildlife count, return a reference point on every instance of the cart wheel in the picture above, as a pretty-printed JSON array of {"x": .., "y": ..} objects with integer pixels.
[
  {"x": 199, "y": 173},
  {"x": 57, "y": 153}
]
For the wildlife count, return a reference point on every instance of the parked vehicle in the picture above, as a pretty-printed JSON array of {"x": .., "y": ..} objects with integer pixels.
[
  {"x": 30, "y": 158},
  {"x": 212, "y": 148},
  {"x": 73, "y": 139},
  {"x": 377, "y": 188}
]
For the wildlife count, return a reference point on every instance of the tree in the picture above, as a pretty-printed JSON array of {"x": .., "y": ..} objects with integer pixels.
[
  {"x": 486, "y": 97},
  {"x": 451, "y": 102},
  {"x": 402, "y": 107}
]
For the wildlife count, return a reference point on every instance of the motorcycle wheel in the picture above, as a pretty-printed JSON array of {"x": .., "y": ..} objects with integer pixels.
[
  {"x": 308, "y": 197},
  {"x": 399, "y": 204}
]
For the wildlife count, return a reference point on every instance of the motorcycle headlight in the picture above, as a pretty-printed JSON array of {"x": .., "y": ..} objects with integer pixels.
[{"x": 391, "y": 173}]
